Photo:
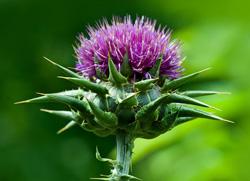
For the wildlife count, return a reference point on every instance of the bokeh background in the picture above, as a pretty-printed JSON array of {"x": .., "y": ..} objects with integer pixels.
[{"x": 214, "y": 34}]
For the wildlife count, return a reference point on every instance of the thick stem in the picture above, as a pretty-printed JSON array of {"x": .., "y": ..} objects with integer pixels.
[{"x": 124, "y": 148}]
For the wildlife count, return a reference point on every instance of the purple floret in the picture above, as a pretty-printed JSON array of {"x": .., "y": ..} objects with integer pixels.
[{"x": 140, "y": 40}]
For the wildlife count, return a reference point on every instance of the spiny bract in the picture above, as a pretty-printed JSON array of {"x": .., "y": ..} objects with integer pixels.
[
  {"x": 128, "y": 82},
  {"x": 146, "y": 108}
]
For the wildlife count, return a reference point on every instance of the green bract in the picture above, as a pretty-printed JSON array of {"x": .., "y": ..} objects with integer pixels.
[{"x": 145, "y": 109}]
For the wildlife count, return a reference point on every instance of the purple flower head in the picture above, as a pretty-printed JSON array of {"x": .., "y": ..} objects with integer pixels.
[{"x": 141, "y": 41}]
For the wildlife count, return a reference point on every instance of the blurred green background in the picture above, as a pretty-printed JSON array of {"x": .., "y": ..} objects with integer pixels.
[{"x": 214, "y": 34}]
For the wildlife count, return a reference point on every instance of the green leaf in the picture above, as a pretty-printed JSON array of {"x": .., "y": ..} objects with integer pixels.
[
  {"x": 176, "y": 83},
  {"x": 80, "y": 105},
  {"x": 192, "y": 112},
  {"x": 125, "y": 67},
  {"x": 94, "y": 87},
  {"x": 105, "y": 119},
  {"x": 67, "y": 71},
  {"x": 63, "y": 114},
  {"x": 44, "y": 98},
  {"x": 114, "y": 76},
  {"x": 176, "y": 98},
  {"x": 98, "y": 157},
  {"x": 143, "y": 85},
  {"x": 198, "y": 93},
  {"x": 41, "y": 99}
]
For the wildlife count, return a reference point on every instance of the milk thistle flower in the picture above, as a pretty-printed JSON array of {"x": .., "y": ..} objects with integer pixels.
[
  {"x": 128, "y": 76},
  {"x": 141, "y": 41}
]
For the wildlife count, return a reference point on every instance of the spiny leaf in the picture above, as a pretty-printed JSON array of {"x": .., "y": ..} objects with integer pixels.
[
  {"x": 41, "y": 99},
  {"x": 155, "y": 70},
  {"x": 125, "y": 67},
  {"x": 80, "y": 105},
  {"x": 176, "y": 83},
  {"x": 143, "y": 85},
  {"x": 63, "y": 114},
  {"x": 115, "y": 76},
  {"x": 105, "y": 119},
  {"x": 67, "y": 71},
  {"x": 98, "y": 157},
  {"x": 44, "y": 98},
  {"x": 176, "y": 98},
  {"x": 97, "y": 88},
  {"x": 67, "y": 126},
  {"x": 198, "y": 93},
  {"x": 192, "y": 112}
]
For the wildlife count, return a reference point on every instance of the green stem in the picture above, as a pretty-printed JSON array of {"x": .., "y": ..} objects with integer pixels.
[{"x": 124, "y": 148}]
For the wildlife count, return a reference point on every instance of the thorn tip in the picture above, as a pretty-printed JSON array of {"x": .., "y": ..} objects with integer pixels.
[
  {"x": 22, "y": 102},
  {"x": 46, "y": 110}
]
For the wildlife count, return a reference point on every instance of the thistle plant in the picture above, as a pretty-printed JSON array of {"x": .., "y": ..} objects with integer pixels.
[{"x": 127, "y": 78}]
